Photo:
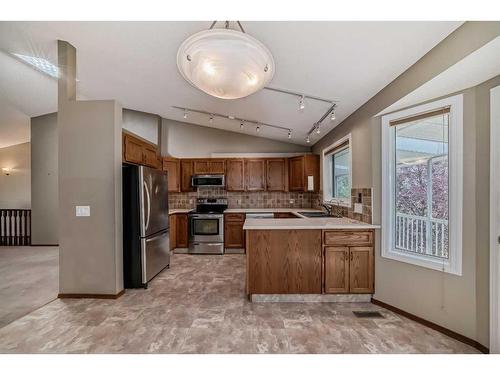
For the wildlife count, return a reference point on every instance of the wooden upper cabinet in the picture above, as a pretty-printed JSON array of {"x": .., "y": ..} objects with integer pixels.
[
  {"x": 217, "y": 166},
  {"x": 132, "y": 149},
  {"x": 235, "y": 175},
  {"x": 138, "y": 151},
  {"x": 150, "y": 156},
  {"x": 300, "y": 168},
  {"x": 361, "y": 265},
  {"x": 185, "y": 175},
  {"x": 277, "y": 176},
  {"x": 255, "y": 174},
  {"x": 173, "y": 168},
  {"x": 336, "y": 269},
  {"x": 201, "y": 167},
  {"x": 208, "y": 166}
]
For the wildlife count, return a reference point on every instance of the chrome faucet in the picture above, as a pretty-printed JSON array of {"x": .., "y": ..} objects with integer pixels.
[{"x": 327, "y": 208}]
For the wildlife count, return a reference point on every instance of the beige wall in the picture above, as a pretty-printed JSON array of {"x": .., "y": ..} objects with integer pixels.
[
  {"x": 459, "y": 303},
  {"x": 180, "y": 139},
  {"x": 90, "y": 174},
  {"x": 44, "y": 180},
  {"x": 145, "y": 125},
  {"x": 483, "y": 205},
  {"x": 15, "y": 189}
]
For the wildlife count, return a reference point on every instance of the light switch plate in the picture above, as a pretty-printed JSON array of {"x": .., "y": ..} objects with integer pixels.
[
  {"x": 358, "y": 208},
  {"x": 82, "y": 210}
]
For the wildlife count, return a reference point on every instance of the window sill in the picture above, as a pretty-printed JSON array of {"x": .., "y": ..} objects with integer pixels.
[{"x": 422, "y": 261}]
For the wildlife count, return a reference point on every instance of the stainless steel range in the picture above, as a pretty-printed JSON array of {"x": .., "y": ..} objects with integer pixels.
[{"x": 206, "y": 226}]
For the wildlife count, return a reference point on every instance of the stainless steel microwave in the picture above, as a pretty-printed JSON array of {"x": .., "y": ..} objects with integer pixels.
[{"x": 208, "y": 180}]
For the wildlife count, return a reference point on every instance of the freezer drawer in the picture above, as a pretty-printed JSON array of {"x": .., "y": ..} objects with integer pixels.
[{"x": 155, "y": 255}]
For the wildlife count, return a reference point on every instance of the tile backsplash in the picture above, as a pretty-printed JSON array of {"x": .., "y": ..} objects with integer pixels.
[
  {"x": 366, "y": 201},
  {"x": 244, "y": 199}
]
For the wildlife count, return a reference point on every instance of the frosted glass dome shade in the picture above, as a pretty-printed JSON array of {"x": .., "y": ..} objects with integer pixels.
[{"x": 225, "y": 63}]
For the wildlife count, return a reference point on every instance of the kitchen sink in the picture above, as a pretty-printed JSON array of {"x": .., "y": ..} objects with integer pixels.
[{"x": 313, "y": 214}]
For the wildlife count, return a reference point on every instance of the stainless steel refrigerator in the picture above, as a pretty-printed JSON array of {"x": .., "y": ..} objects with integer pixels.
[{"x": 146, "y": 244}]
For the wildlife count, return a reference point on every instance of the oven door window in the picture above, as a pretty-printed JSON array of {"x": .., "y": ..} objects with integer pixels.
[{"x": 205, "y": 227}]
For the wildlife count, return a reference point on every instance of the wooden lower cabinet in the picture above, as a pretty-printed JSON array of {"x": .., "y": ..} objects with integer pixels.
[
  {"x": 172, "y": 219},
  {"x": 361, "y": 269},
  {"x": 283, "y": 261},
  {"x": 284, "y": 215},
  {"x": 234, "y": 235},
  {"x": 181, "y": 230},
  {"x": 348, "y": 261},
  {"x": 336, "y": 269}
]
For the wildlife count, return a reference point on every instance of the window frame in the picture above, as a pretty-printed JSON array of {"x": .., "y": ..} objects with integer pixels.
[
  {"x": 453, "y": 264},
  {"x": 345, "y": 202}
]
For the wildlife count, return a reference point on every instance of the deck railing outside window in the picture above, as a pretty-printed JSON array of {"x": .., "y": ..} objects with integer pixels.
[{"x": 411, "y": 235}]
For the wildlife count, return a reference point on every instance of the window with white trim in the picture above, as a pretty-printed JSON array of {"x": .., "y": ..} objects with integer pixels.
[
  {"x": 337, "y": 172},
  {"x": 422, "y": 185}
]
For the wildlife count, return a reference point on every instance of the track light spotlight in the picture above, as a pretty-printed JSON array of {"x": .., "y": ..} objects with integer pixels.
[
  {"x": 308, "y": 140},
  {"x": 302, "y": 103},
  {"x": 289, "y": 134}
]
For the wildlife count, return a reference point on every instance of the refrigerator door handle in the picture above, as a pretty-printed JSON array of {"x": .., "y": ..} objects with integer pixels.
[
  {"x": 156, "y": 237},
  {"x": 148, "y": 203}
]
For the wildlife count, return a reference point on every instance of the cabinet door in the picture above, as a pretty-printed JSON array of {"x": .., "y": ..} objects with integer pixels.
[
  {"x": 150, "y": 156},
  {"x": 182, "y": 230},
  {"x": 235, "y": 176},
  {"x": 172, "y": 167},
  {"x": 201, "y": 167},
  {"x": 361, "y": 270},
  {"x": 133, "y": 150},
  {"x": 217, "y": 167},
  {"x": 336, "y": 269},
  {"x": 255, "y": 174},
  {"x": 186, "y": 173},
  {"x": 311, "y": 168},
  {"x": 234, "y": 235},
  {"x": 296, "y": 167},
  {"x": 276, "y": 174},
  {"x": 172, "y": 231}
]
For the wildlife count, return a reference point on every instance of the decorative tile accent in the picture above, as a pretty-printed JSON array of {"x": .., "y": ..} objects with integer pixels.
[
  {"x": 243, "y": 199},
  {"x": 366, "y": 201}
]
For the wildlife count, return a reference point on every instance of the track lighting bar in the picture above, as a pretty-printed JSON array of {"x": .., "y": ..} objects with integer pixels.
[
  {"x": 242, "y": 121},
  {"x": 300, "y": 95},
  {"x": 316, "y": 126}
]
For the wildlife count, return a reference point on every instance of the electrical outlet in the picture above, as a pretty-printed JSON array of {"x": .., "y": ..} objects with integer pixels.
[
  {"x": 238, "y": 201},
  {"x": 82, "y": 210},
  {"x": 358, "y": 208},
  {"x": 292, "y": 201}
]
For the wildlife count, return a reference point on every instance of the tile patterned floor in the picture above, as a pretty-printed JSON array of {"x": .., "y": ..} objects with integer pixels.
[
  {"x": 199, "y": 306},
  {"x": 29, "y": 278}
]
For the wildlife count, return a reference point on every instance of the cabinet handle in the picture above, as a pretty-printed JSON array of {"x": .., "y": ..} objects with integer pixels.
[
  {"x": 346, "y": 256},
  {"x": 352, "y": 256}
]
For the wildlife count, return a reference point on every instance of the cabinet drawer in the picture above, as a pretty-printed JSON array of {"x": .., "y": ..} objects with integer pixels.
[
  {"x": 342, "y": 237},
  {"x": 234, "y": 217}
]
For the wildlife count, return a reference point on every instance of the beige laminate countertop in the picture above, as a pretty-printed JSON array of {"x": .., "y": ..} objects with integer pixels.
[
  {"x": 273, "y": 210},
  {"x": 179, "y": 211},
  {"x": 307, "y": 223}
]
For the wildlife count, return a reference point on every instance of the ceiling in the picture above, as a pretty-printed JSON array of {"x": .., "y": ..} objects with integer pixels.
[
  {"x": 135, "y": 63},
  {"x": 472, "y": 70}
]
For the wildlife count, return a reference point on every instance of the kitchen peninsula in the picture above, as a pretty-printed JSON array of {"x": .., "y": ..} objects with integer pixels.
[{"x": 309, "y": 256}]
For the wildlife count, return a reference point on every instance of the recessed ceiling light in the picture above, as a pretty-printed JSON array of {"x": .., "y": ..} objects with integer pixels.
[{"x": 41, "y": 64}]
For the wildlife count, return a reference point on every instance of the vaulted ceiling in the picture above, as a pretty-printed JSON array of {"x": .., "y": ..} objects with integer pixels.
[{"x": 135, "y": 63}]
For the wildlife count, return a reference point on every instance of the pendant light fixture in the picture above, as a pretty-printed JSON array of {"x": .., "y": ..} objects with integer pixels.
[{"x": 225, "y": 63}]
